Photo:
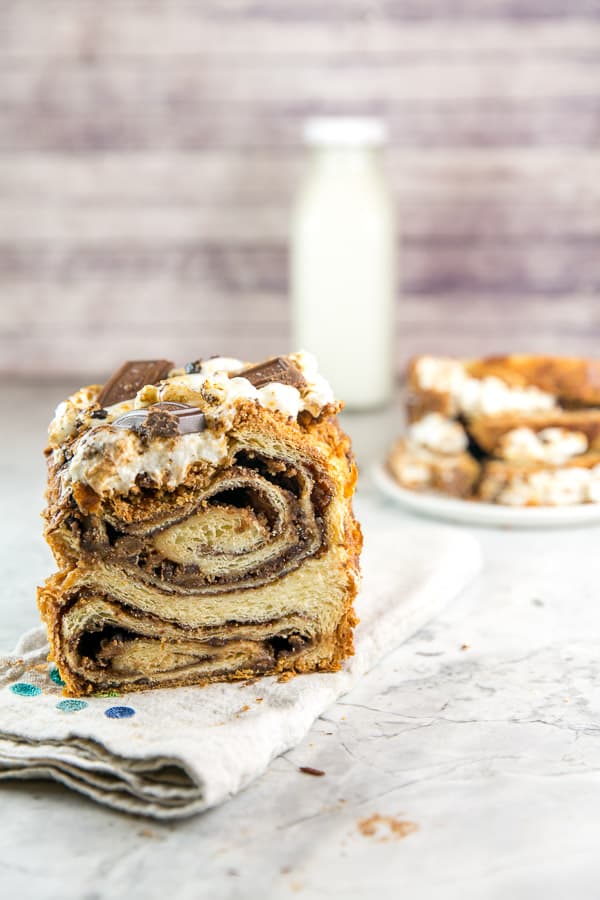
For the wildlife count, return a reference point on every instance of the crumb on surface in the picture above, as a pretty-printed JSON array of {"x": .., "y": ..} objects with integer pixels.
[
  {"x": 308, "y": 770},
  {"x": 386, "y": 828}
]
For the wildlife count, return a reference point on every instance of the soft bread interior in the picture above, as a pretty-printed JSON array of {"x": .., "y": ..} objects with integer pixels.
[
  {"x": 220, "y": 531},
  {"x": 316, "y": 590},
  {"x": 156, "y": 638},
  {"x": 127, "y": 650}
]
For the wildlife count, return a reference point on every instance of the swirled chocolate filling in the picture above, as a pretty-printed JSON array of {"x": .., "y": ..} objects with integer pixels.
[
  {"x": 108, "y": 642},
  {"x": 253, "y": 523}
]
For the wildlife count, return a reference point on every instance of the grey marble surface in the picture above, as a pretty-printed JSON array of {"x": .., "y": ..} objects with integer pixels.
[{"x": 483, "y": 731}]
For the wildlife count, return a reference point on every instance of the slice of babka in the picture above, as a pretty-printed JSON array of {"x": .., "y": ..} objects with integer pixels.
[{"x": 201, "y": 519}]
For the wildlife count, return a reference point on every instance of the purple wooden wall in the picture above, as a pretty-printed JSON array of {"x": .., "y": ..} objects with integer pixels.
[{"x": 149, "y": 151}]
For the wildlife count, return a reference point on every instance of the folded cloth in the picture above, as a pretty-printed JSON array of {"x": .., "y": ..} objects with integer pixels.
[{"x": 173, "y": 752}]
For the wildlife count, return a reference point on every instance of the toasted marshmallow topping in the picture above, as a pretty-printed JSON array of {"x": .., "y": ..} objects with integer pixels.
[
  {"x": 110, "y": 460},
  {"x": 473, "y": 397},
  {"x": 439, "y": 434},
  {"x": 413, "y": 474},
  {"x": 560, "y": 487},
  {"x": 219, "y": 396},
  {"x": 225, "y": 364},
  {"x": 438, "y": 373},
  {"x": 318, "y": 392},
  {"x": 491, "y": 396},
  {"x": 282, "y": 397},
  {"x": 64, "y": 423},
  {"x": 216, "y": 385},
  {"x": 551, "y": 445}
]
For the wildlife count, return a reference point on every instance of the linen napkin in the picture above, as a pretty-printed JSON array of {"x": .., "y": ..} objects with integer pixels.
[{"x": 172, "y": 752}]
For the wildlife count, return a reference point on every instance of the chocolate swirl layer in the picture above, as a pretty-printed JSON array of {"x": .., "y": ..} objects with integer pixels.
[{"x": 248, "y": 524}]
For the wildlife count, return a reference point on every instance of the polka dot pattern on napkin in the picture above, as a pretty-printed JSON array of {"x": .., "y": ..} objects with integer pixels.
[
  {"x": 119, "y": 712},
  {"x": 24, "y": 689},
  {"x": 71, "y": 705},
  {"x": 50, "y": 680}
]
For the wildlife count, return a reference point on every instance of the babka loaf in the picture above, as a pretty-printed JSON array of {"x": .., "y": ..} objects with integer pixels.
[
  {"x": 201, "y": 519},
  {"x": 517, "y": 430}
]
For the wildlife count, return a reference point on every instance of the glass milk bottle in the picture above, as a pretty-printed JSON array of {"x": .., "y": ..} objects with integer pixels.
[{"x": 343, "y": 260}]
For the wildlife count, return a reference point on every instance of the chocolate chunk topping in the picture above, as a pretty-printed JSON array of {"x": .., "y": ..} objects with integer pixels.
[
  {"x": 159, "y": 423},
  {"x": 132, "y": 420},
  {"x": 98, "y": 414},
  {"x": 192, "y": 368},
  {"x": 131, "y": 377},
  {"x": 162, "y": 420},
  {"x": 277, "y": 369},
  {"x": 189, "y": 418}
]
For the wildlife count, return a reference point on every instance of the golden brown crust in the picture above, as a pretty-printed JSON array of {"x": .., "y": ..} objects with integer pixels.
[
  {"x": 421, "y": 402},
  {"x": 572, "y": 380},
  {"x": 537, "y": 414},
  {"x": 487, "y": 431},
  {"x": 420, "y": 470}
]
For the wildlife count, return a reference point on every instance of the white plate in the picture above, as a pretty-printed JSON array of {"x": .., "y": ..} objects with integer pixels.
[{"x": 474, "y": 513}]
